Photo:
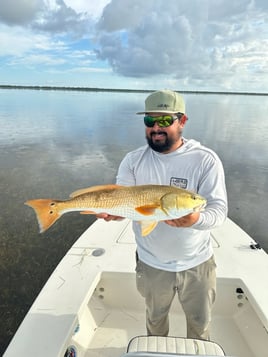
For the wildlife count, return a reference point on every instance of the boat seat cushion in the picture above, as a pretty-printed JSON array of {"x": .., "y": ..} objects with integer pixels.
[{"x": 174, "y": 345}]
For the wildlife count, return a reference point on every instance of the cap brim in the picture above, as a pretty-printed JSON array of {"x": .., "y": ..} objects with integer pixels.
[{"x": 158, "y": 111}]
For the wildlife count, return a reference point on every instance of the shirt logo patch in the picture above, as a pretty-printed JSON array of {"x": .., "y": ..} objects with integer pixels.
[{"x": 179, "y": 182}]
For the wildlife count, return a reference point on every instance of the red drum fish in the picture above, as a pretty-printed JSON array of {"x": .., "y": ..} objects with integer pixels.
[{"x": 148, "y": 204}]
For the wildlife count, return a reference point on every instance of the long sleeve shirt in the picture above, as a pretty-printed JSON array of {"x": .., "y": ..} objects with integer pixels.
[{"x": 193, "y": 167}]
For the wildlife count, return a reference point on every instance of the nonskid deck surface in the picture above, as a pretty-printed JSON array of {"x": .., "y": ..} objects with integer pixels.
[{"x": 118, "y": 312}]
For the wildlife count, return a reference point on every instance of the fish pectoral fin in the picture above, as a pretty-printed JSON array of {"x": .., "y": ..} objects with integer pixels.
[
  {"x": 94, "y": 189},
  {"x": 147, "y": 227},
  {"x": 147, "y": 210},
  {"x": 88, "y": 212}
]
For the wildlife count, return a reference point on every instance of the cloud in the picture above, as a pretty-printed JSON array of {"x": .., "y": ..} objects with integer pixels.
[
  {"x": 208, "y": 43},
  {"x": 17, "y": 41},
  {"x": 91, "y": 7},
  {"x": 187, "y": 40},
  {"x": 36, "y": 33},
  {"x": 34, "y": 50},
  {"x": 52, "y": 16},
  {"x": 39, "y": 59},
  {"x": 14, "y": 12},
  {"x": 62, "y": 19}
]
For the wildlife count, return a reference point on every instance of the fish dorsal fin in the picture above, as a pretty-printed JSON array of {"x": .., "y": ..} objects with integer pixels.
[
  {"x": 93, "y": 189},
  {"x": 147, "y": 227},
  {"x": 147, "y": 210}
]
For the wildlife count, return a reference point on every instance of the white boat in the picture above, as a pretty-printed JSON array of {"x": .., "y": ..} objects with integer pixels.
[{"x": 90, "y": 306}]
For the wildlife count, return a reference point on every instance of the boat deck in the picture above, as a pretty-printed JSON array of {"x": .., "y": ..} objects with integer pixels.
[
  {"x": 90, "y": 302},
  {"x": 117, "y": 313}
]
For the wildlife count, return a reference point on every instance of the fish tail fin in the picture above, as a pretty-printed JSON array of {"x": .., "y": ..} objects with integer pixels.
[{"x": 46, "y": 212}]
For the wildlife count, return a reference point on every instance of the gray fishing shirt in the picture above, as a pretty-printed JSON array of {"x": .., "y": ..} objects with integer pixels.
[{"x": 193, "y": 167}]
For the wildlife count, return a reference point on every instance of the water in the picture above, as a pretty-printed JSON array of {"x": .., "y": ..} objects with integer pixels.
[{"x": 54, "y": 142}]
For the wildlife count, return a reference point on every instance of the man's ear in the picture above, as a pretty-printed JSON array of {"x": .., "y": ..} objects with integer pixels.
[{"x": 183, "y": 119}]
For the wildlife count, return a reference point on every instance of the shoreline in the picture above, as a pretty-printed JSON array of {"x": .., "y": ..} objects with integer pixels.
[{"x": 91, "y": 89}]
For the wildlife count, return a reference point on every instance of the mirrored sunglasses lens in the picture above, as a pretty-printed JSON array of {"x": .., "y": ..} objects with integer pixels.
[
  {"x": 163, "y": 121},
  {"x": 149, "y": 121}
]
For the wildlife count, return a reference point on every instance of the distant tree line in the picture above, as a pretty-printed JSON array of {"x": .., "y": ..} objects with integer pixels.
[{"x": 91, "y": 89}]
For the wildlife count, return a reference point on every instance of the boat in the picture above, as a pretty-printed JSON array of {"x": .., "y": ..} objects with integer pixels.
[{"x": 90, "y": 306}]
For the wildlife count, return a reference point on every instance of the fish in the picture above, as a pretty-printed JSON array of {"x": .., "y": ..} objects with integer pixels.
[{"x": 148, "y": 204}]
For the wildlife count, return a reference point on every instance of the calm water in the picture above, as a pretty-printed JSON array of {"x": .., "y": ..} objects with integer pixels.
[{"x": 53, "y": 142}]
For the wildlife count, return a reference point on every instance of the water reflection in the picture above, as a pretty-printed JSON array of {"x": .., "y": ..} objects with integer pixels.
[
  {"x": 237, "y": 129},
  {"x": 53, "y": 143}
]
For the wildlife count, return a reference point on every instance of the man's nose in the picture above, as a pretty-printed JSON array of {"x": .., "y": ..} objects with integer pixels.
[{"x": 156, "y": 124}]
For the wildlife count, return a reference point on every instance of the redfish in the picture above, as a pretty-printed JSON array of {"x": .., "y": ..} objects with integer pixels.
[{"x": 148, "y": 204}]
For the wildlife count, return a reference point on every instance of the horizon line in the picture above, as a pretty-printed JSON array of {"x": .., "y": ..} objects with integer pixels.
[{"x": 97, "y": 89}]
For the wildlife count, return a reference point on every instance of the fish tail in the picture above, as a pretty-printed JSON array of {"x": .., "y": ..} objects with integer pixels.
[{"x": 46, "y": 212}]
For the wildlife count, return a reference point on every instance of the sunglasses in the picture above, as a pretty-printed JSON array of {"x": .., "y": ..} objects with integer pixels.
[{"x": 163, "y": 121}]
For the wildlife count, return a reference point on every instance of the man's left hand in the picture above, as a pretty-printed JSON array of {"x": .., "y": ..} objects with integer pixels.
[{"x": 185, "y": 221}]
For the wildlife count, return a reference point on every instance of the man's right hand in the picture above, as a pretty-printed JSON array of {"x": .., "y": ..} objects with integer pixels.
[{"x": 108, "y": 217}]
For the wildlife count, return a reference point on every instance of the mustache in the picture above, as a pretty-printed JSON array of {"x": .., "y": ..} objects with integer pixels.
[{"x": 158, "y": 132}]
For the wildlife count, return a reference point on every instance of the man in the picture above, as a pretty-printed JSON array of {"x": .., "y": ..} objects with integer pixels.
[{"x": 177, "y": 256}]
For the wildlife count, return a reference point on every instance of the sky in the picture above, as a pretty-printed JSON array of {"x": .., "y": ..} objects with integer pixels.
[{"x": 214, "y": 45}]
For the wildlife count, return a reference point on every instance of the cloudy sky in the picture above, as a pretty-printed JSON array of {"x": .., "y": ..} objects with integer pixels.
[{"x": 139, "y": 44}]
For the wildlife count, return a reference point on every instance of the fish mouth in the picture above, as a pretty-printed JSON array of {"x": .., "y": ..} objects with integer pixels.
[{"x": 200, "y": 207}]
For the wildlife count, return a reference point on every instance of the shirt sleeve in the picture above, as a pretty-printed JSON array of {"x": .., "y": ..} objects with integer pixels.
[
  {"x": 125, "y": 175},
  {"x": 212, "y": 187}
]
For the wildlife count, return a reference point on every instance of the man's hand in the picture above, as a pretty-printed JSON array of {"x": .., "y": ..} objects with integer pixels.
[
  {"x": 109, "y": 217},
  {"x": 186, "y": 221}
]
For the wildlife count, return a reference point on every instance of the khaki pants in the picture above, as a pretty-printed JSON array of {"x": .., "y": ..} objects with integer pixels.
[{"x": 196, "y": 290}]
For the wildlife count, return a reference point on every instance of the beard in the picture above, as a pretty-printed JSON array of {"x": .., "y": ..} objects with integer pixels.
[{"x": 166, "y": 142}]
